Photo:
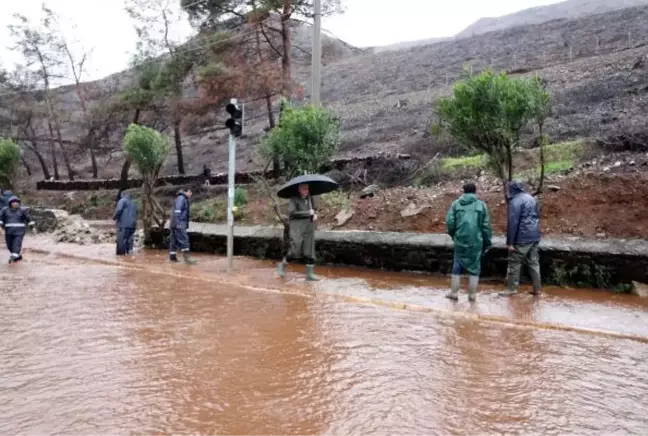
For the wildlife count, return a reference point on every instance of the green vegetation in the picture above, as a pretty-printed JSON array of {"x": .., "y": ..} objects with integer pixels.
[
  {"x": 305, "y": 139},
  {"x": 9, "y": 162},
  {"x": 453, "y": 163},
  {"x": 214, "y": 210},
  {"x": 148, "y": 148},
  {"x": 338, "y": 200},
  {"x": 586, "y": 276},
  {"x": 488, "y": 114}
]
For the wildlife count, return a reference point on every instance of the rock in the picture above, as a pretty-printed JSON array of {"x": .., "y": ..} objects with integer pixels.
[
  {"x": 606, "y": 169},
  {"x": 640, "y": 289},
  {"x": 369, "y": 191},
  {"x": 601, "y": 235},
  {"x": 617, "y": 164},
  {"x": 632, "y": 163},
  {"x": 412, "y": 210},
  {"x": 343, "y": 217},
  {"x": 553, "y": 188}
]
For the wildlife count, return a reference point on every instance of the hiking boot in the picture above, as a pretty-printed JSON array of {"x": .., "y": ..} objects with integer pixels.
[
  {"x": 506, "y": 293},
  {"x": 281, "y": 269},
  {"x": 453, "y": 295},
  {"x": 535, "y": 293},
  {"x": 188, "y": 259},
  {"x": 472, "y": 297},
  {"x": 173, "y": 257},
  {"x": 310, "y": 274}
]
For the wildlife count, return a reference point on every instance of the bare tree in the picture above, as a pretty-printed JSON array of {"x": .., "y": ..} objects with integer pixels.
[{"x": 42, "y": 50}]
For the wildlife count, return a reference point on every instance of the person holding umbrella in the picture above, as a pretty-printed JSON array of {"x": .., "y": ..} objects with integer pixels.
[{"x": 302, "y": 217}]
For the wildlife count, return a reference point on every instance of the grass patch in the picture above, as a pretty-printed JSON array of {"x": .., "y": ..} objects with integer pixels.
[
  {"x": 453, "y": 163},
  {"x": 214, "y": 210},
  {"x": 559, "y": 157}
]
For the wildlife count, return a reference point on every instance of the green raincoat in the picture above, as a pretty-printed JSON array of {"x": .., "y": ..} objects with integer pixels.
[
  {"x": 302, "y": 228},
  {"x": 469, "y": 226}
]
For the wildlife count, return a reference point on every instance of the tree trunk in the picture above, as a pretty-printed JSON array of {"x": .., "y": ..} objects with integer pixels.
[
  {"x": 509, "y": 159},
  {"x": 93, "y": 159},
  {"x": 53, "y": 151},
  {"x": 287, "y": 47},
  {"x": 178, "y": 145},
  {"x": 276, "y": 161},
  {"x": 541, "y": 141},
  {"x": 29, "y": 132},
  {"x": 41, "y": 160},
  {"x": 26, "y": 165},
  {"x": 57, "y": 130}
]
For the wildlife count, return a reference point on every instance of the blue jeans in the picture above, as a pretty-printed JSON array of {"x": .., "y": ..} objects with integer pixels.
[{"x": 457, "y": 269}]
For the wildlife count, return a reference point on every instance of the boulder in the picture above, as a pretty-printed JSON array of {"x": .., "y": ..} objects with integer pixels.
[
  {"x": 369, "y": 191},
  {"x": 640, "y": 289},
  {"x": 343, "y": 217},
  {"x": 412, "y": 210}
]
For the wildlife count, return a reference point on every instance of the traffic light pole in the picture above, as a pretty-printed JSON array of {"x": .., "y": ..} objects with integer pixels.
[
  {"x": 231, "y": 174},
  {"x": 317, "y": 53}
]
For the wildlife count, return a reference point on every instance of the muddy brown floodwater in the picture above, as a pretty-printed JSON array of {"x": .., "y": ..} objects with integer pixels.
[{"x": 94, "y": 345}]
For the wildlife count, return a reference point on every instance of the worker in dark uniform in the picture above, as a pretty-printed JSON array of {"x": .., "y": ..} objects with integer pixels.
[
  {"x": 126, "y": 218},
  {"x": 14, "y": 220},
  {"x": 179, "y": 228},
  {"x": 302, "y": 216}
]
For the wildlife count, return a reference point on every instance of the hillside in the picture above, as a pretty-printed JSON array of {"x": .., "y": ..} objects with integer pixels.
[
  {"x": 598, "y": 77},
  {"x": 570, "y": 9}
]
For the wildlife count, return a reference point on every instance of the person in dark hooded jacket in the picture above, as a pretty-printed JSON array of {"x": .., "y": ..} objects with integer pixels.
[
  {"x": 126, "y": 218},
  {"x": 522, "y": 238},
  {"x": 14, "y": 220},
  {"x": 179, "y": 226}
]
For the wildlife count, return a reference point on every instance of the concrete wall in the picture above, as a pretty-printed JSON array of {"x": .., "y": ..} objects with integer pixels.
[{"x": 575, "y": 261}]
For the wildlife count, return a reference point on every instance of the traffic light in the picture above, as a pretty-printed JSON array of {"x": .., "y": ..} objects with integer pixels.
[{"x": 235, "y": 121}]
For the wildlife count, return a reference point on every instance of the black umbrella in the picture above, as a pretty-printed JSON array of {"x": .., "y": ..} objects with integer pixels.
[{"x": 317, "y": 185}]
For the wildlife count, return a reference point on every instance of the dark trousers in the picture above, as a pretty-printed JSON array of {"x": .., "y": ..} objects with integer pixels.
[
  {"x": 302, "y": 260},
  {"x": 14, "y": 244},
  {"x": 125, "y": 237},
  {"x": 179, "y": 241}
]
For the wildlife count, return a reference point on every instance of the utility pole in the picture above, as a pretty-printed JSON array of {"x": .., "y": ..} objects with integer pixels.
[
  {"x": 317, "y": 53},
  {"x": 235, "y": 125}
]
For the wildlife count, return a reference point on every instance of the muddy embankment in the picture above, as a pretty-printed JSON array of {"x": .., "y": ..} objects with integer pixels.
[{"x": 610, "y": 264}]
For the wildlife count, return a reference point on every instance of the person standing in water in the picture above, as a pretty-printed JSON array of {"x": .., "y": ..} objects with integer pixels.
[
  {"x": 302, "y": 223},
  {"x": 14, "y": 220},
  {"x": 179, "y": 227},
  {"x": 126, "y": 218},
  {"x": 469, "y": 226},
  {"x": 522, "y": 238}
]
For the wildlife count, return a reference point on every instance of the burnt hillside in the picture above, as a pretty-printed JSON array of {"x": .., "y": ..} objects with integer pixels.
[{"x": 596, "y": 68}]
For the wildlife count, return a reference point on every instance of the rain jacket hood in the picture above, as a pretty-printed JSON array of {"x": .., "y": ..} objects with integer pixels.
[
  {"x": 466, "y": 199},
  {"x": 12, "y": 199},
  {"x": 514, "y": 188}
]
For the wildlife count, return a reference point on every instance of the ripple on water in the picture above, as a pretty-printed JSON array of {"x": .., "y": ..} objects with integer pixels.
[{"x": 90, "y": 349}]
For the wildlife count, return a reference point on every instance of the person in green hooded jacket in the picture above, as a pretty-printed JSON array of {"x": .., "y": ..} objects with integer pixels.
[{"x": 469, "y": 226}]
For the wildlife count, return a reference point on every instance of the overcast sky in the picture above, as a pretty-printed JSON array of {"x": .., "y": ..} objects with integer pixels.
[{"x": 104, "y": 26}]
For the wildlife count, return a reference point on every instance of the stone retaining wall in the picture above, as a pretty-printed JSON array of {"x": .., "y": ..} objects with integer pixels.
[
  {"x": 216, "y": 179},
  {"x": 574, "y": 261}
]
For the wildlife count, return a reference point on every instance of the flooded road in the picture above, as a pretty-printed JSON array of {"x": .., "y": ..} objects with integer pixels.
[{"x": 93, "y": 345}]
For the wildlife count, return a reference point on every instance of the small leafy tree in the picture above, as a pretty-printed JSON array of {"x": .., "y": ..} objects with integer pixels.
[
  {"x": 489, "y": 112},
  {"x": 9, "y": 162},
  {"x": 148, "y": 149},
  {"x": 305, "y": 139}
]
